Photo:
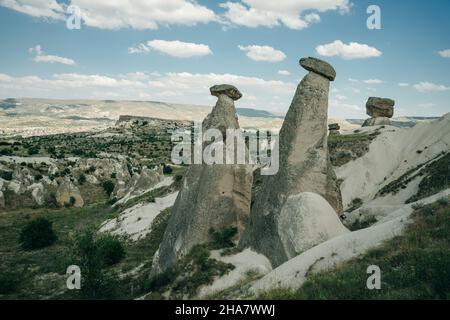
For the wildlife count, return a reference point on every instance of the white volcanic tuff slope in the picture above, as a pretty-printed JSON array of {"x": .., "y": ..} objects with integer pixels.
[
  {"x": 137, "y": 221},
  {"x": 390, "y": 155},
  {"x": 327, "y": 255}
]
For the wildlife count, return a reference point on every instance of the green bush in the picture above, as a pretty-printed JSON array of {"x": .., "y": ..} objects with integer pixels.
[
  {"x": 81, "y": 179},
  {"x": 37, "y": 234},
  {"x": 110, "y": 250},
  {"x": 108, "y": 186},
  {"x": 7, "y": 175},
  {"x": 223, "y": 238},
  {"x": 9, "y": 282},
  {"x": 96, "y": 282},
  {"x": 167, "y": 169}
]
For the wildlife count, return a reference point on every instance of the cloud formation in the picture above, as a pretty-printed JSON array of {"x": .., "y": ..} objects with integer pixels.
[
  {"x": 429, "y": 86},
  {"x": 296, "y": 15},
  {"x": 41, "y": 57},
  {"x": 175, "y": 48},
  {"x": 263, "y": 53},
  {"x": 284, "y": 73},
  {"x": 105, "y": 14},
  {"x": 350, "y": 51},
  {"x": 445, "y": 53}
]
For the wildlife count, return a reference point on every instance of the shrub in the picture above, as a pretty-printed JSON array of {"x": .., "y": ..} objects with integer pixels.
[
  {"x": 108, "y": 186},
  {"x": 9, "y": 282},
  {"x": 33, "y": 150},
  {"x": 81, "y": 179},
  {"x": 96, "y": 283},
  {"x": 167, "y": 169},
  {"x": 223, "y": 238},
  {"x": 110, "y": 250},
  {"x": 7, "y": 175},
  {"x": 37, "y": 234}
]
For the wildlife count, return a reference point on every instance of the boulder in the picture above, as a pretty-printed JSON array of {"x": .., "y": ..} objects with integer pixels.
[
  {"x": 379, "y": 121},
  {"x": 334, "y": 126},
  {"x": 380, "y": 107},
  {"x": 212, "y": 196},
  {"x": 37, "y": 192},
  {"x": 304, "y": 166},
  {"x": 138, "y": 184},
  {"x": 65, "y": 191},
  {"x": 306, "y": 220}
]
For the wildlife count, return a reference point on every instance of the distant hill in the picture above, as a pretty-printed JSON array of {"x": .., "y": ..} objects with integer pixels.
[{"x": 254, "y": 113}]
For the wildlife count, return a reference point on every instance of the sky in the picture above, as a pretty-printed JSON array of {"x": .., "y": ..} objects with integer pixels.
[{"x": 174, "y": 50}]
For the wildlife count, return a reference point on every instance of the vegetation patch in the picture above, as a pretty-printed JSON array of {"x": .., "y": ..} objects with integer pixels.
[
  {"x": 413, "y": 266},
  {"x": 345, "y": 148},
  {"x": 37, "y": 234}
]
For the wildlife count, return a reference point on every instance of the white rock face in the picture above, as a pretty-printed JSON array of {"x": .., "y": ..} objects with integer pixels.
[
  {"x": 328, "y": 255},
  {"x": 37, "y": 192},
  {"x": 136, "y": 222},
  {"x": 66, "y": 190},
  {"x": 244, "y": 262},
  {"x": 307, "y": 220},
  {"x": 392, "y": 154},
  {"x": 138, "y": 184}
]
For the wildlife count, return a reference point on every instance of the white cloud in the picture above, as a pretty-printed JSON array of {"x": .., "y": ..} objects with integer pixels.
[
  {"x": 105, "y": 14},
  {"x": 426, "y": 105},
  {"x": 352, "y": 80},
  {"x": 353, "y": 50},
  {"x": 445, "y": 53},
  {"x": 36, "y": 8},
  {"x": 41, "y": 57},
  {"x": 340, "y": 97},
  {"x": 263, "y": 53},
  {"x": 429, "y": 86},
  {"x": 403, "y": 84},
  {"x": 284, "y": 73},
  {"x": 373, "y": 81},
  {"x": 140, "y": 48},
  {"x": 175, "y": 48},
  {"x": 297, "y": 14}
]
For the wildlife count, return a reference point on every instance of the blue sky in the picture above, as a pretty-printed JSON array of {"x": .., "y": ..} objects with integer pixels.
[{"x": 248, "y": 43}]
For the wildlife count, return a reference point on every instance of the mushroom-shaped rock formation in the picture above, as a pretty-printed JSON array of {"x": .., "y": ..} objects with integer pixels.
[
  {"x": 334, "y": 129},
  {"x": 304, "y": 165},
  {"x": 226, "y": 89},
  {"x": 380, "y": 110},
  {"x": 213, "y": 196}
]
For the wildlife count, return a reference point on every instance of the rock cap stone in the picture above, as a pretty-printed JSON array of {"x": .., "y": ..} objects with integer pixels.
[
  {"x": 226, "y": 89},
  {"x": 334, "y": 126},
  {"x": 318, "y": 66},
  {"x": 380, "y": 107}
]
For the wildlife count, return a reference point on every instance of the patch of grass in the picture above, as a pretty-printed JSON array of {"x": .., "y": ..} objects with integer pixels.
[
  {"x": 437, "y": 179},
  {"x": 413, "y": 266},
  {"x": 356, "y": 203},
  {"x": 345, "y": 148},
  {"x": 358, "y": 224}
]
